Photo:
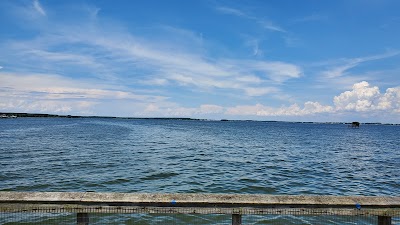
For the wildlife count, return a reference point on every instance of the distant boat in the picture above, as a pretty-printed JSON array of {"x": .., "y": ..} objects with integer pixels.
[{"x": 13, "y": 116}]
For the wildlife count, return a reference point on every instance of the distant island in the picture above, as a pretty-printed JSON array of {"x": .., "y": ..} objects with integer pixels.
[
  {"x": 44, "y": 115},
  {"x": 16, "y": 115}
]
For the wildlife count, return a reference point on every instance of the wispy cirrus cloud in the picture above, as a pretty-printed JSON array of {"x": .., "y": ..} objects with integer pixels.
[
  {"x": 122, "y": 55},
  {"x": 311, "y": 18},
  {"x": 271, "y": 26},
  {"x": 232, "y": 11},
  {"x": 38, "y": 7},
  {"x": 347, "y": 64},
  {"x": 266, "y": 24}
]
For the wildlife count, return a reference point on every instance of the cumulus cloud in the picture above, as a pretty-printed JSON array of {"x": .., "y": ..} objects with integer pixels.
[{"x": 363, "y": 98}]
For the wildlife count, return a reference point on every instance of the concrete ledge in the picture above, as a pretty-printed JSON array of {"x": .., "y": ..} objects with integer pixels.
[{"x": 198, "y": 200}]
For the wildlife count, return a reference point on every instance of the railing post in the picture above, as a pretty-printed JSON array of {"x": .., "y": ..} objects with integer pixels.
[
  {"x": 82, "y": 218},
  {"x": 236, "y": 219},
  {"x": 384, "y": 220}
]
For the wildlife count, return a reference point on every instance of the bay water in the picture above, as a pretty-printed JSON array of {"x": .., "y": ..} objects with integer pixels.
[{"x": 195, "y": 156}]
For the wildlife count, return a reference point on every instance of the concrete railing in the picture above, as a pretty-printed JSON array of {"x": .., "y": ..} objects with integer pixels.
[{"x": 84, "y": 203}]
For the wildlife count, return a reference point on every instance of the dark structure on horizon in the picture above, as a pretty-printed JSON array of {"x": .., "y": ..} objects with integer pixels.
[{"x": 355, "y": 125}]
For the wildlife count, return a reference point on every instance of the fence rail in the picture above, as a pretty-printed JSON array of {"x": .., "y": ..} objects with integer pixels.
[{"x": 86, "y": 203}]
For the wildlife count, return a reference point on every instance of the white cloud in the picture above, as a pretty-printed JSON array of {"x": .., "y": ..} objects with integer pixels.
[
  {"x": 254, "y": 44},
  {"x": 120, "y": 58},
  {"x": 112, "y": 53},
  {"x": 57, "y": 87},
  {"x": 47, "y": 106},
  {"x": 232, "y": 11},
  {"x": 165, "y": 109},
  {"x": 249, "y": 79},
  {"x": 195, "y": 70},
  {"x": 1, "y": 67},
  {"x": 348, "y": 64},
  {"x": 32, "y": 94},
  {"x": 256, "y": 49},
  {"x": 271, "y": 26},
  {"x": 260, "y": 91},
  {"x": 364, "y": 98},
  {"x": 56, "y": 94},
  {"x": 210, "y": 109},
  {"x": 151, "y": 108},
  {"x": 277, "y": 71},
  {"x": 38, "y": 7},
  {"x": 309, "y": 108},
  {"x": 155, "y": 81}
]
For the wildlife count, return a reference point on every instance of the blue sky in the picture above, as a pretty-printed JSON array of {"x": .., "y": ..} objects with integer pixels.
[{"x": 262, "y": 60}]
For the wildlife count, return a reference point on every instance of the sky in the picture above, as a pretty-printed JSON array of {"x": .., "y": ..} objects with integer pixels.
[{"x": 322, "y": 61}]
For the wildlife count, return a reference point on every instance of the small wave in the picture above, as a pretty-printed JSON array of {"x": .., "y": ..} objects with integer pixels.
[
  {"x": 248, "y": 180},
  {"x": 117, "y": 181},
  {"x": 258, "y": 190},
  {"x": 36, "y": 187},
  {"x": 158, "y": 176}
]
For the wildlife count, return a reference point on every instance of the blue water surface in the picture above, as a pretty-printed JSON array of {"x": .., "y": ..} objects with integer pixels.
[{"x": 132, "y": 155}]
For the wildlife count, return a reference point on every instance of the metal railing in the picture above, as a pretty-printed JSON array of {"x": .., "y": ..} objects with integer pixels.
[{"x": 83, "y": 206}]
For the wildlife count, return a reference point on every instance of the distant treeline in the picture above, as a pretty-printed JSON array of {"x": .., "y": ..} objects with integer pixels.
[
  {"x": 70, "y": 116},
  {"x": 37, "y": 115},
  {"x": 8, "y": 114}
]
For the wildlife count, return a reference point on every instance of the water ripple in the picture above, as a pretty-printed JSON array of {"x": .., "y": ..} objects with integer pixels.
[{"x": 119, "y": 155}]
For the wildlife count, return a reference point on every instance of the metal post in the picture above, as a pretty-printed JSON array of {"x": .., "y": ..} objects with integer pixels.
[
  {"x": 236, "y": 219},
  {"x": 384, "y": 220},
  {"x": 82, "y": 218}
]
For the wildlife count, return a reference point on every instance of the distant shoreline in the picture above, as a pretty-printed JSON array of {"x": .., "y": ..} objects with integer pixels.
[
  {"x": 45, "y": 115},
  {"x": 72, "y": 116}
]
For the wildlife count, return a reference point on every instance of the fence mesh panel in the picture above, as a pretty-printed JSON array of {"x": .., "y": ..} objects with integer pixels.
[{"x": 57, "y": 216}]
